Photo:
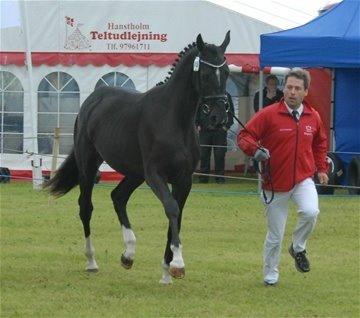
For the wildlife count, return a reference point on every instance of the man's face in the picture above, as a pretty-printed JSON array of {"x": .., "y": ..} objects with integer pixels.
[{"x": 294, "y": 92}]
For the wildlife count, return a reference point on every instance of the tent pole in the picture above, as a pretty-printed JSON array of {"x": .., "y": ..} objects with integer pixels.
[
  {"x": 332, "y": 112},
  {"x": 261, "y": 93},
  {"x": 28, "y": 63}
]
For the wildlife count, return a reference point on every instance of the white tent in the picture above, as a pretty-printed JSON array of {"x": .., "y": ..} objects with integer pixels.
[{"x": 76, "y": 46}]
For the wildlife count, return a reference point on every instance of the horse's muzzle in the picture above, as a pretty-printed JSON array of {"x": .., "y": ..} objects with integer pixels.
[{"x": 217, "y": 121}]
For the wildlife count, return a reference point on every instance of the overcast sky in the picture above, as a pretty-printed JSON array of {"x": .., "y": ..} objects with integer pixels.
[{"x": 284, "y": 14}]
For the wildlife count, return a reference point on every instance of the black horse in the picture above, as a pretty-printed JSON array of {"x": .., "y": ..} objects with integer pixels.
[{"x": 147, "y": 136}]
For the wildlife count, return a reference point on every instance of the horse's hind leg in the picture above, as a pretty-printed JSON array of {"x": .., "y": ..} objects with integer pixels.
[
  {"x": 120, "y": 196},
  {"x": 88, "y": 163},
  {"x": 86, "y": 209}
]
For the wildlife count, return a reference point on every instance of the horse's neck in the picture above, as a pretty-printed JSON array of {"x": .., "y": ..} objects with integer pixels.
[{"x": 182, "y": 91}]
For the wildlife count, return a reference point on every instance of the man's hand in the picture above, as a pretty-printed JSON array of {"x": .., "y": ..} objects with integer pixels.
[
  {"x": 323, "y": 177},
  {"x": 261, "y": 154}
]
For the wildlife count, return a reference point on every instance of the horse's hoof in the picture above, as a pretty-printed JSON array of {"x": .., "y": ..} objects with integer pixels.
[
  {"x": 127, "y": 263},
  {"x": 165, "y": 280},
  {"x": 92, "y": 270},
  {"x": 177, "y": 273},
  {"x": 92, "y": 266}
]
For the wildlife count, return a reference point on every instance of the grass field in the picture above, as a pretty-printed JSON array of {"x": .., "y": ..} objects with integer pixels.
[{"x": 42, "y": 261}]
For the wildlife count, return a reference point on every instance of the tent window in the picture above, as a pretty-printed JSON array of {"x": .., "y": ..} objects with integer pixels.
[
  {"x": 58, "y": 105},
  {"x": 116, "y": 79},
  {"x": 12, "y": 113}
]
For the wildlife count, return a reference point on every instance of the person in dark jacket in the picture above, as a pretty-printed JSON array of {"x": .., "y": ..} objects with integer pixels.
[
  {"x": 271, "y": 94},
  {"x": 213, "y": 138}
]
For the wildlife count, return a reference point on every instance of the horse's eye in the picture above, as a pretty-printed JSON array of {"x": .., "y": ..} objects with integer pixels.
[{"x": 227, "y": 107}]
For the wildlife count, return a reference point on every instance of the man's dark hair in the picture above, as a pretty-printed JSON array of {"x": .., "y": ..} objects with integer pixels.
[{"x": 300, "y": 74}]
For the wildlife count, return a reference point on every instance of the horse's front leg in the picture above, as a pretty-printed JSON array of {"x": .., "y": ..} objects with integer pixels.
[
  {"x": 159, "y": 186},
  {"x": 180, "y": 192}
]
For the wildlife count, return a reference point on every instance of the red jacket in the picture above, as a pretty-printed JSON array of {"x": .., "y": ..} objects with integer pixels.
[{"x": 297, "y": 149}]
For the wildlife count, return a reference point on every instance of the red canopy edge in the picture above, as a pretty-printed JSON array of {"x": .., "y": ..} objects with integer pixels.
[{"x": 250, "y": 61}]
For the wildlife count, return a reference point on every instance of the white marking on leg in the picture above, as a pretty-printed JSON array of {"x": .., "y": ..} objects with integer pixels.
[
  {"x": 177, "y": 260},
  {"x": 90, "y": 255},
  {"x": 130, "y": 242},
  {"x": 166, "y": 277}
]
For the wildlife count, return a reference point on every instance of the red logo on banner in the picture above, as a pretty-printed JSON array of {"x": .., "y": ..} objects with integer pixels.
[{"x": 70, "y": 21}]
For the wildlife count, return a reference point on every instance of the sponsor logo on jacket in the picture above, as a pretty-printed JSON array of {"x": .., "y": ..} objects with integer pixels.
[{"x": 308, "y": 130}]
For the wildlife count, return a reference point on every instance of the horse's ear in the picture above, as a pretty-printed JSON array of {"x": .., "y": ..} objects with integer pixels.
[
  {"x": 226, "y": 42},
  {"x": 200, "y": 43}
]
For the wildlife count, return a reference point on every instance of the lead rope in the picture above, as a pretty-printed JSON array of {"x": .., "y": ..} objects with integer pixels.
[{"x": 266, "y": 173}]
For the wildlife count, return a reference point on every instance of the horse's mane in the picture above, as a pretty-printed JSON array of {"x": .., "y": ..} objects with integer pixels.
[{"x": 176, "y": 62}]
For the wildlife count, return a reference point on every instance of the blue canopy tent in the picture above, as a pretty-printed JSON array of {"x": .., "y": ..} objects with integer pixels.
[{"x": 331, "y": 40}]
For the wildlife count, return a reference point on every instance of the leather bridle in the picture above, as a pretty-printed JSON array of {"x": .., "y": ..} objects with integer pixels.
[{"x": 203, "y": 100}]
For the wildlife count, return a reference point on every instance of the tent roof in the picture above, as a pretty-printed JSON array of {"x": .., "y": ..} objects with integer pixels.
[
  {"x": 128, "y": 32},
  {"x": 330, "y": 40}
]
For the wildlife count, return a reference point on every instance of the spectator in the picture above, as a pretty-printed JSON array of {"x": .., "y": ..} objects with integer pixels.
[
  {"x": 213, "y": 138},
  {"x": 271, "y": 94}
]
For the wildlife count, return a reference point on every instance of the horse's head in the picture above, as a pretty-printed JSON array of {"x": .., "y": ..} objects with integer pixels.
[{"x": 211, "y": 73}]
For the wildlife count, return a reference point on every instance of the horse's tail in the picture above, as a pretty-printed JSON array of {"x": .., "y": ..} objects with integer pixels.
[{"x": 65, "y": 178}]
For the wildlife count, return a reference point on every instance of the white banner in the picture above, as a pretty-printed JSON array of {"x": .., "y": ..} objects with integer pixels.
[{"x": 132, "y": 27}]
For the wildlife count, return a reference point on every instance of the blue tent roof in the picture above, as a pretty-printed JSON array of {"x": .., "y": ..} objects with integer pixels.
[{"x": 330, "y": 40}]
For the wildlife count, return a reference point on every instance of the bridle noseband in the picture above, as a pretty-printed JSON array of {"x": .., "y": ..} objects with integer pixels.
[{"x": 206, "y": 109}]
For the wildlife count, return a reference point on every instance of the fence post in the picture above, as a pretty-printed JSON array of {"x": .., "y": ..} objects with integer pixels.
[
  {"x": 55, "y": 152},
  {"x": 36, "y": 164}
]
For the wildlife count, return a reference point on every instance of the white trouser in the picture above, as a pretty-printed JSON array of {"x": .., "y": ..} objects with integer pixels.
[{"x": 304, "y": 195}]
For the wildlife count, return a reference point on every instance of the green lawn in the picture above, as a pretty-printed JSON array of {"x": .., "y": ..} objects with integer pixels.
[{"x": 42, "y": 261}]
